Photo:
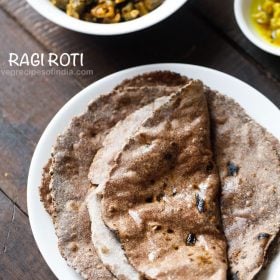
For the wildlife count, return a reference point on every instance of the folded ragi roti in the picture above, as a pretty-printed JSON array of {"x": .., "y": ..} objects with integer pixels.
[{"x": 161, "y": 197}]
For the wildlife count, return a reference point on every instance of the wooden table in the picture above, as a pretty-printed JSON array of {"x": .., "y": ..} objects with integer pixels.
[{"x": 203, "y": 32}]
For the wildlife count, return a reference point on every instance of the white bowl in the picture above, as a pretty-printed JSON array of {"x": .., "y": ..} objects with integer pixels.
[
  {"x": 52, "y": 13},
  {"x": 242, "y": 14}
]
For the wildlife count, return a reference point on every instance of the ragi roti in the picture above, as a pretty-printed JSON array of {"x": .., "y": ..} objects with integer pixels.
[
  {"x": 45, "y": 194},
  {"x": 72, "y": 155},
  {"x": 248, "y": 158},
  {"x": 161, "y": 197},
  {"x": 105, "y": 243}
]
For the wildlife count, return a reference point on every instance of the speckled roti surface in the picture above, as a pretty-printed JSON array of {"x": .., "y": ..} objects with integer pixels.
[
  {"x": 73, "y": 152},
  {"x": 115, "y": 140},
  {"x": 113, "y": 256},
  {"x": 223, "y": 110},
  {"x": 248, "y": 158},
  {"x": 161, "y": 197},
  {"x": 45, "y": 195}
]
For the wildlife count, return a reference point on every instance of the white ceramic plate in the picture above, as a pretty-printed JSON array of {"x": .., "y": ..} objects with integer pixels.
[
  {"x": 52, "y": 13},
  {"x": 256, "y": 105}
]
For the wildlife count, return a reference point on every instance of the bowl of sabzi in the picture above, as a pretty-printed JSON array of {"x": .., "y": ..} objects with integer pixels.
[{"x": 106, "y": 17}]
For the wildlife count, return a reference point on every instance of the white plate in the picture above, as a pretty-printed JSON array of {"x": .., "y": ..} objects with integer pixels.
[{"x": 256, "y": 105}]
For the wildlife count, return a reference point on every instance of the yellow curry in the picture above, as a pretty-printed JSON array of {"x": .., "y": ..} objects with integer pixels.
[{"x": 266, "y": 19}]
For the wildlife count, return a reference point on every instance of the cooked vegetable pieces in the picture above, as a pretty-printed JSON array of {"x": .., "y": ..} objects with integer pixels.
[
  {"x": 107, "y": 11},
  {"x": 266, "y": 17}
]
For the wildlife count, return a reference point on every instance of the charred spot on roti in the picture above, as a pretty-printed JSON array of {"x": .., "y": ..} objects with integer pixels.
[
  {"x": 190, "y": 239},
  {"x": 160, "y": 196},
  {"x": 170, "y": 156},
  {"x": 112, "y": 209},
  {"x": 156, "y": 227},
  {"x": 263, "y": 235},
  {"x": 195, "y": 187},
  {"x": 155, "y": 197},
  {"x": 149, "y": 199},
  {"x": 210, "y": 166},
  {"x": 200, "y": 203},
  {"x": 73, "y": 246},
  {"x": 232, "y": 169}
]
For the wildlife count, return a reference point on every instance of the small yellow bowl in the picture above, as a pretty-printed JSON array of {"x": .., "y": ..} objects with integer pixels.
[{"x": 242, "y": 11}]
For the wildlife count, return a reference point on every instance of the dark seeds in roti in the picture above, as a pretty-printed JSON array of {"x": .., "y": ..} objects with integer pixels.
[
  {"x": 149, "y": 199},
  {"x": 200, "y": 203},
  {"x": 190, "y": 240},
  {"x": 209, "y": 166},
  {"x": 168, "y": 156},
  {"x": 263, "y": 235},
  {"x": 232, "y": 169}
]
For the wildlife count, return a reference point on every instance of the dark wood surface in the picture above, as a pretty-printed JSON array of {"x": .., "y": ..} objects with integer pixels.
[{"x": 202, "y": 32}]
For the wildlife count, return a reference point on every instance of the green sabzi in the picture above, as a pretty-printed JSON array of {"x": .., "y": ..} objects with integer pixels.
[{"x": 107, "y": 11}]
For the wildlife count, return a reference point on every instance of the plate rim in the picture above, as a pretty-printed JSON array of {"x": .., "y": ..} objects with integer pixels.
[{"x": 86, "y": 94}]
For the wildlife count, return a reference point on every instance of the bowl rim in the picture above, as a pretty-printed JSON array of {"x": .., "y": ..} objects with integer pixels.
[
  {"x": 248, "y": 30},
  {"x": 52, "y": 13}
]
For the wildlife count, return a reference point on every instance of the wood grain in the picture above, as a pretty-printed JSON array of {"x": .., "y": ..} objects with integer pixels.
[
  {"x": 24, "y": 98},
  {"x": 202, "y": 32},
  {"x": 182, "y": 38},
  {"x": 16, "y": 150},
  {"x": 26, "y": 106},
  {"x": 19, "y": 258},
  {"x": 220, "y": 15}
]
